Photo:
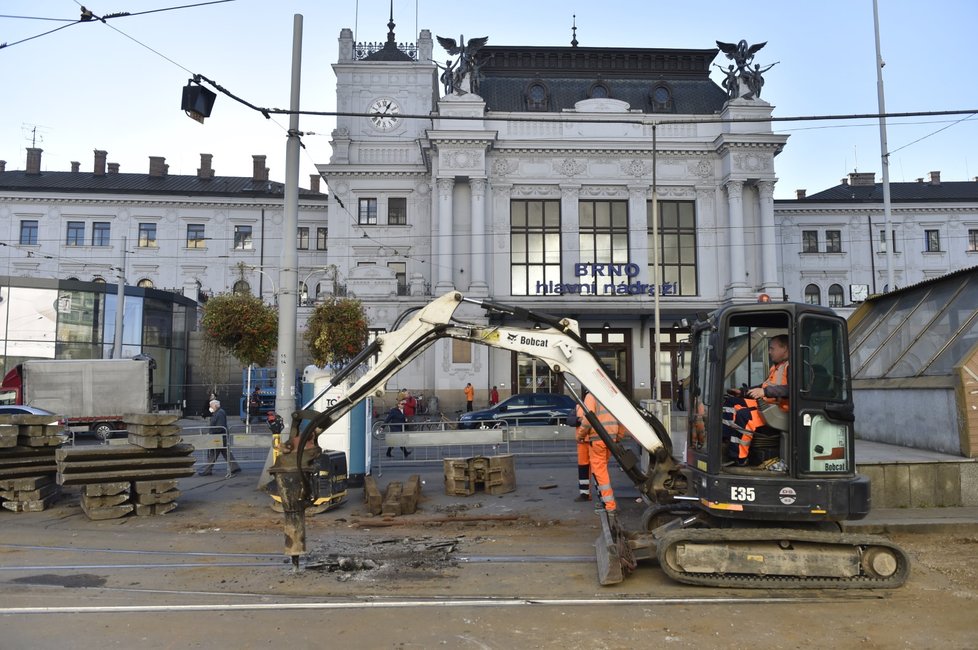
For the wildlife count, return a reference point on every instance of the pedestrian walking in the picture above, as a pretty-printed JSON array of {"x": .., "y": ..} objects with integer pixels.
[
  {"x": 219, "y": 426},
  {"x": 469, "y": 396},
  {"x": 395, "y": 420}
]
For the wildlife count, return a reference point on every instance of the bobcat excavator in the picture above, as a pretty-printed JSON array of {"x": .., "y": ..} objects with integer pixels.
[{"x": 773, "y": 522}]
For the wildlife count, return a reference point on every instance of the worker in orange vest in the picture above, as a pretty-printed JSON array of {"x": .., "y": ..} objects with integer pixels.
[
  {"x": 598, "y": 451},
  {"x": 742, "y": 412}
]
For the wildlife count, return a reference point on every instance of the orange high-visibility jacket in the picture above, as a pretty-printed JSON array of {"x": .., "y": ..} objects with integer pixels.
[
  {"x": 614, "y": 428},
  {"x": 777, "y": 377}
]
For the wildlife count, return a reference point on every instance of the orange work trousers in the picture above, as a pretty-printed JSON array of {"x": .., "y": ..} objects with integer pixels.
[{"x": 599, "y": 467}]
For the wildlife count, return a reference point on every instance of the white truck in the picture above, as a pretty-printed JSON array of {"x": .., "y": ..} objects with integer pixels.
[{"x": 89, "y": 394}]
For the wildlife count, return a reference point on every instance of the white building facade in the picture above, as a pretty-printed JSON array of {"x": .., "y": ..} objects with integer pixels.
[
  {"x": 833, "y": 247},
  {"x": 193, "y": 235},
  {"x": 532, "y": 184}
]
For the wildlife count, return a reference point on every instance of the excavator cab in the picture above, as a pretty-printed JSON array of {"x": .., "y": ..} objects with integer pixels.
[{"x": 800, "y": 465}]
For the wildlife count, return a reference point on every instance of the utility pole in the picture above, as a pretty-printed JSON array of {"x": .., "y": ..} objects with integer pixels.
[
  {"x": 884, "y": 153},
  {"x": 288, "y": 272}
]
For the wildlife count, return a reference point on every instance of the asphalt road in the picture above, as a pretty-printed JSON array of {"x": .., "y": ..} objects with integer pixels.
[{"x": 518, "y": 573}]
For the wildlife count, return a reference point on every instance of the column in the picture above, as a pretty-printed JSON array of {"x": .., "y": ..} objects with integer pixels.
[
  {"x": 769, "y": 250},
  {"x": 735, "y": 235},
  {"x": 444, "y": 262},
  {"x": 639, "y": 229},
  {"x": 499, "y": 241},
  {"x": 480, "y": 237},
  {"x": 570, "y": 229}
]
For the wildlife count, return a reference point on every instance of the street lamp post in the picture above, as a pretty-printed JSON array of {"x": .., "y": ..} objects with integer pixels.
[
  {"x": 270, "y": 281},
  {"x": 120, "y": 305},
  {"x": 309, "y": 275}
]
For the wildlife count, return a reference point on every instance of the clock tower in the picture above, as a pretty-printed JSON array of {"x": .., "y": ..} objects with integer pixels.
[{"x": 379, "y": 236}]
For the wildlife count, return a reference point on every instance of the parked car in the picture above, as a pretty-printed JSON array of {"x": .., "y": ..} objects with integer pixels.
[
  {"x": 525, "y": 409},
  {"x": 20, "y": 409}
]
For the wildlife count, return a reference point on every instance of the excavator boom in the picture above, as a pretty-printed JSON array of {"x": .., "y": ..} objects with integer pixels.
[{"x": 558, "y": 344}]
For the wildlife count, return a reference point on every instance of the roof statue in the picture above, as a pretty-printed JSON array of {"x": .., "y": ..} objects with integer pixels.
[
  {"x": 741, "y": 53},
  {"x": 743, "y": 82},
  {"x": 465, "y": 77}
]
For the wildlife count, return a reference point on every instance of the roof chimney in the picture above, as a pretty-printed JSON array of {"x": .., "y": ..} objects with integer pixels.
[
  {"x": 100, "y": 157},
  {"x": 935, "y": 178},
  {"x": 157, "y": 166},
  {"x": 800, "y": 194},
  {"x": 34, "y": 160},
  {"x": 204, "y": 172},
  {"x": 113, "y": 168},
  {"x": 314, "y": 182},
  {"x": 75, "y": 166},
  {"x": 260, "y": 172},
  {"x": 844, "y": 181},
  {"x": 862, "y": 178}
]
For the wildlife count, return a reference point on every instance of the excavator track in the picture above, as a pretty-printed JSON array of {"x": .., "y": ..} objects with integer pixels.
[{"x": 777, "y": 558}]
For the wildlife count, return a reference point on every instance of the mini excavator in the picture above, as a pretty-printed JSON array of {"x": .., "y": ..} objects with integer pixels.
[{"x": 772, "y": 523}]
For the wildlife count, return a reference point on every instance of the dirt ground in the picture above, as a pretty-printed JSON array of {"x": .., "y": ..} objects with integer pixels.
[{"x": 518, "y": 573}]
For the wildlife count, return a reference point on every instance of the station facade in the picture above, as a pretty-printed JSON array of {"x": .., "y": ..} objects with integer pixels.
[{"x": 533, "y": 184}]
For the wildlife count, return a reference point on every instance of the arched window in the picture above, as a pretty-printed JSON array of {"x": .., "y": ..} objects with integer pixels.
[
  {"x": 660, "y": 97},
  {"x": 241, "y": 286},
  {"x": 813, "y": 295},
  {"x": 598, "y": 90},
  {"x": 145, "y": 283},
  {"x": 537, "y": 96},
  {"x": 98, "y": 279},
  {"x": 836, "y": 297}
]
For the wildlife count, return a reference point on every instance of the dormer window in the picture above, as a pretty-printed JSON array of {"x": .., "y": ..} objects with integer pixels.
[
  {"x": 660, "y": 98},
  {"x": 599, "y": 90},
  {"x": 537, "y": 96}
]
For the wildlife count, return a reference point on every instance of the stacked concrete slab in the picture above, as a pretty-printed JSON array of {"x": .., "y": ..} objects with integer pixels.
[
  {"x": 494, "y": 474},
  {"x": 139, "y": 477},
  {"x": 27, "y": 461}
]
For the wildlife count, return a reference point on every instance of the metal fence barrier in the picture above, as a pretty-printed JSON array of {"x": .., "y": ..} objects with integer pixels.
[{"x": 432, "y": 442}]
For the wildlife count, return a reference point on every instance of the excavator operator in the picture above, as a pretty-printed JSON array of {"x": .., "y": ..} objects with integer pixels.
[{"x": 742, "y": 412}]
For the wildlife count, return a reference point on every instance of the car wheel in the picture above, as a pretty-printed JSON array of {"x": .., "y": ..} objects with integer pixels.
[{"x": 103, "y": 431}]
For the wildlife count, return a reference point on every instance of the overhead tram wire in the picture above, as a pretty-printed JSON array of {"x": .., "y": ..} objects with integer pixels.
[
  {"x": 645, "y": 119},
  {"x": 89, "y": 17}
]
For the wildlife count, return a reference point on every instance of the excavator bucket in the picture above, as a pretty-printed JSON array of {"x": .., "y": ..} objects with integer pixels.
[{"x": 606, "y": 551}]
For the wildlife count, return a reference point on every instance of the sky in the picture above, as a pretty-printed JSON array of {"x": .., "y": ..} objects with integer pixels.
[{"x": 116, "y": 85}]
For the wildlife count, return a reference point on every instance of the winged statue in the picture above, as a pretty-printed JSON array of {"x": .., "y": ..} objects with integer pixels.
[
  {"x": 466, "y": 68},
  {"x": 741, "y": 53}
]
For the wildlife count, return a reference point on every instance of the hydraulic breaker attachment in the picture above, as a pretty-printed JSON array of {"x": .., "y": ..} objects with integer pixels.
[{"x": 297, "y": 490}]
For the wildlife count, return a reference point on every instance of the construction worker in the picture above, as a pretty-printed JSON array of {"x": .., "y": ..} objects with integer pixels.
[
  {"x": 742, "y": 413},
  {"x": 598, "y": 451},
  {"x": 583, "y": 456}
]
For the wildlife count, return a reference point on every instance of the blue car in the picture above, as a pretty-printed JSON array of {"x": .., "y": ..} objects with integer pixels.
[{"x": 528, "y": 409}]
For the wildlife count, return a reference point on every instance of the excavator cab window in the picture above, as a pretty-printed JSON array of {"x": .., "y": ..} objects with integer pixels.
[{"x": 825, "y": 437}]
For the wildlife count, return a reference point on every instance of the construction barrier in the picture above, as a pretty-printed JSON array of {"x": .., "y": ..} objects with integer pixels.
[{"x": 429, "y": 442}]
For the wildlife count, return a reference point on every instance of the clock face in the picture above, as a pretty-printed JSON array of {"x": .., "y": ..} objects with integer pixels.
[
  {"x": 858, "y": 292},
  {"x": 384, "y": 114}
]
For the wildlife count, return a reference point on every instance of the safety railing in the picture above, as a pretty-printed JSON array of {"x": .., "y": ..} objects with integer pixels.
[
  {"x": 432, "y": 442},
  {"x": 241, "y": 448}
]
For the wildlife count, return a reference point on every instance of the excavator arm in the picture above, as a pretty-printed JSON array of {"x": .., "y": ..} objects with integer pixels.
[{"x": 556, "y": 342}]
